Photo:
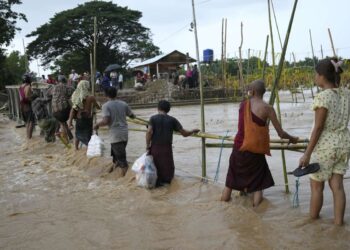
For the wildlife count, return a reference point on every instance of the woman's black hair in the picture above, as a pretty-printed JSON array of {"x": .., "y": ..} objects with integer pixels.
[
  {"x": 326, "y": 68},
  {"x": 164, "y": 105},
  {"x": 111, "y": 92}
]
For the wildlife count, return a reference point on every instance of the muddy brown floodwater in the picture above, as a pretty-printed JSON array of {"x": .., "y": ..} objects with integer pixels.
[{"x": 54, "y": 198}]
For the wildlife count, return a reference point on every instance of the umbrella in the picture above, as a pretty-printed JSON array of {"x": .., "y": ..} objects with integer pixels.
[{"x": 112, "y": 67}]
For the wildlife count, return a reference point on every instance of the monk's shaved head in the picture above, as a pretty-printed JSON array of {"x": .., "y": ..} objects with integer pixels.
[{"x": 258, "y": 86}]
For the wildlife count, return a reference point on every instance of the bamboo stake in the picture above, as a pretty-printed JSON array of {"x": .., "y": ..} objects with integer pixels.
[
  {"x": 280, "y": 66},
  {"x": 241, "y": 80},
  {"x": 265, "y": 58},
  {"x": 321, "y": 52},
  {"x": 222, "y": 51},
  {"x": 314, "y": 60},
  {"x": 225, "y": 55},
  {"x": 272, "y": 146},
  {"x": 204, "y": 171},
  {"x": 332, "y": 44},
  {"x": 277, "y": 96},
  {"x": 275, "y": 18}
]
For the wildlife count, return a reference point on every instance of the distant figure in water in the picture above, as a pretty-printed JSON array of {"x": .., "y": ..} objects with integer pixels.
[
  {"x": 81, "y": 111},
  {"x": 114, "y": 113},
  {"x": 330, "y": 139},
  {"x": 25, "y": 95},
  {"x": 159, "y": 139},
  {"x": 248, "y": 170}
]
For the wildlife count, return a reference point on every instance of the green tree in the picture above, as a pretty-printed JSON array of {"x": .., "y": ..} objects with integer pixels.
[
  {"x": 13, "y": 68},
  {"x": 67, "y": 39}
]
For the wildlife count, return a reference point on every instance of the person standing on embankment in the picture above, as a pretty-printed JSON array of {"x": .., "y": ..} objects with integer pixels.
[
  {"x": 248, "y": 170},
  {"x": 330, "y": 139}
]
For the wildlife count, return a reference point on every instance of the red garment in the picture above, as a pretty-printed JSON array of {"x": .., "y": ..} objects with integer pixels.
[
  {"x": 51, "y": 81},
  {"x": 240, "y": 133},
  {"x": 22, "y": 96}
]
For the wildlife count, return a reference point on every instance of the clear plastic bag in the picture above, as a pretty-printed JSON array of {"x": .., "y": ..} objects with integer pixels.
[
  {"x": 95, "y": 147},
  {"x": 146, "y": 176}
]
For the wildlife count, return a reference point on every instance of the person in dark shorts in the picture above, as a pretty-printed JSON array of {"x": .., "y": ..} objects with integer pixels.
[
  {"x": 25, "y": 95},
  {"x": 114, "y": 114},
  {"x": 61, "y": 106},
  {"x": 159, "y": 139},
  {"x": 248, "y": 171}
]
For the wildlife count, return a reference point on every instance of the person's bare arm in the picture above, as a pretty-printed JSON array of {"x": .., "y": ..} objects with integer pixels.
[
  {"x": 320, "y": 120},
  {"x": 104, "y": 122},
  {"x": 149, "y": 134},
  {"x": 72, "y": 114},
  {"x": 281, "y": 133},
  {"x": 186, "y": 133}
]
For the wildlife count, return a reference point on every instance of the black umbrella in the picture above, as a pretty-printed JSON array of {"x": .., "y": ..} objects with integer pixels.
[{"x": 112, "y": 67}]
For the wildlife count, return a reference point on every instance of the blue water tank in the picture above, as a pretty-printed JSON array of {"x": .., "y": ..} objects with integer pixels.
[{"x": 208, "y": 55}]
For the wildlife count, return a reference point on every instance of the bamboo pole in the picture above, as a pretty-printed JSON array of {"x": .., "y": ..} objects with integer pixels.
[
  {"x": 332, "y": 44},
  {"x": 314, "y": 60},
  {"x": 225, "y": 55},
  {"x": 275, "y": 91},
  {"x": 276, "y": 23},
  {"x": 280, "y": 66},
  {"x": 204, "y": 171},
  {"x": 241, "y": 80},
  {"x": 265, "y": 58},
  {"x": 321, "y": 52},
  {"x": 93, "y": 73},
  {"x": 273, "y": 146},
  {"x": 222, "y": 52}
]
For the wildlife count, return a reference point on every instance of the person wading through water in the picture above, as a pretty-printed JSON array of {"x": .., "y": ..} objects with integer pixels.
[
  {"x": 82, "y": 106},
  {"x": 114, "y": 113},
  {"x": 25, "y": 95},
  {"x": 248, "y": 170},
  {"x": 159, "y": 139}
]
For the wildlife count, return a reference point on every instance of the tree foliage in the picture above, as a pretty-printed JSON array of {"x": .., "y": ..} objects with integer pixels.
[
  {"x": 8, "y": 21},
  {"x": 12, "y": 69},
  {"x": 67, "y": 39}
]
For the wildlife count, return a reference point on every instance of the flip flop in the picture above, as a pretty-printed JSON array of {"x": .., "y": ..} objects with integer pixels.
[{"x": 309, "y": 169}]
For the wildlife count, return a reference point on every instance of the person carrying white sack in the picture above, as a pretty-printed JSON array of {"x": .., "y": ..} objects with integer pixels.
[{"x": 114, "y": 114}]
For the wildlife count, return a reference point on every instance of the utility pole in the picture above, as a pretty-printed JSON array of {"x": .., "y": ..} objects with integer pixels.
[{"x": 204, "y": 171}]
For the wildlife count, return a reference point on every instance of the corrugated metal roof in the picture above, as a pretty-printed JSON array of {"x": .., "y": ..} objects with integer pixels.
[{"x": 158, "y": 58}]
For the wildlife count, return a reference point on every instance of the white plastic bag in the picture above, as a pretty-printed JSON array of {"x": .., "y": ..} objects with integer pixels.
[
  {"x": 139, "y": 163},
  {"x": 95, "y": 147},
  {"x": 146, "y": 176}
]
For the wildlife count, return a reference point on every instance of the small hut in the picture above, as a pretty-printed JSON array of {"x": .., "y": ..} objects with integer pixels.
[{"x": 164, "y": 65}]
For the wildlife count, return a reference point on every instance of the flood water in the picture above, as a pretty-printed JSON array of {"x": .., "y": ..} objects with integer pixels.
[{"x": 55, "y": 198}]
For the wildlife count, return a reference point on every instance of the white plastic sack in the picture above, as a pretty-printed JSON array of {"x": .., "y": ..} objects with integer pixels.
[
  {"x": 139, "y": 163},
  {"x": 95, "y": 147},
  {"x": 146, "y": 176}
]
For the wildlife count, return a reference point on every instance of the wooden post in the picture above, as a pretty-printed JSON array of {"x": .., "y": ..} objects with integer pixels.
[
  {"x": 332, "y": 44},
  {"x": 281, "y": 63},
  {"x": 240, "y": 67},
  {"x": 204, "y": 170},
  {"x": 321, "y": 52},
  {"x": 265, "y": 58},
  {"x": 93, "y": 73},
  {"x": 278, "y": 100},
  {"x": 314, "y": 60}
]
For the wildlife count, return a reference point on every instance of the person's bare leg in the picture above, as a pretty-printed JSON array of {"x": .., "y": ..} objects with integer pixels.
[
  {"x": 257, "y": 198},
  {"x": 76, "y": 143},
  {"x": 339, "y": 198},
  {"x": 30, "y": 127},
  {"x": 226, "y": 194},
  {"x": 316, "y": 200}
]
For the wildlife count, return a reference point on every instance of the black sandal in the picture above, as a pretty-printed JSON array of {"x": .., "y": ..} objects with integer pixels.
[{"x": 309, "y": 169}]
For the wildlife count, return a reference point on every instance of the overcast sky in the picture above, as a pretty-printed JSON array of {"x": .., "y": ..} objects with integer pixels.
[{"x": 169, "y": 22}]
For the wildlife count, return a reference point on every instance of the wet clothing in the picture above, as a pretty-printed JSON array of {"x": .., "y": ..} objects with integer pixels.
[
  {"x": 164, "y": 162},
  {"x": 83, "y": 129},
  {"x": 117, "y": 111},
  {"x": 25, "y": 105},
  {"x": 39, "y": 108},
  {"x": 48, "y": 126},
  {"x": 332, "y": 150},
  {"x": 80, "y": 94},
  {"x": 118, "y": 153},
  {"x": 163, "y": 126},
  {"x": 247, "y": 171},
  {"x": 61, "y": 94},
  {"x": 62, "y": 115}
]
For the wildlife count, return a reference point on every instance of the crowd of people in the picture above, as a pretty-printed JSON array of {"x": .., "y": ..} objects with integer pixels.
[{"x": 248, "y": 170}]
